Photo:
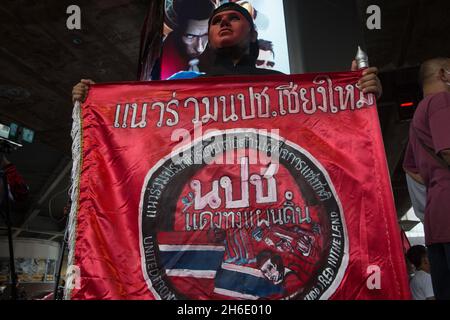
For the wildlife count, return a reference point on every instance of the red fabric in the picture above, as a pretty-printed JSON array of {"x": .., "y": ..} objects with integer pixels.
[
  {"x": 172, "y": 61},
  {"x": 17, "y": 185},
  {"x": 119, "y": 259},
  {"x": 405, "y": 242}
]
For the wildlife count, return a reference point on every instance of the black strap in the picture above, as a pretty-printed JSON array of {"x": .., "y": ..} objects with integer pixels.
[{"x": 440, "y": 160}]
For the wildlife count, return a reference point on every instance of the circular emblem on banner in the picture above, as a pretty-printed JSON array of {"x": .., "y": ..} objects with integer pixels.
[{"x": 241, "y": 214}]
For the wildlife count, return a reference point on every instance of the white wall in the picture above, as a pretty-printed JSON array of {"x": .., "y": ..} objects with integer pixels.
[
  {"x": 271, "y": 26},
  {"x": 30, "y": 248}
]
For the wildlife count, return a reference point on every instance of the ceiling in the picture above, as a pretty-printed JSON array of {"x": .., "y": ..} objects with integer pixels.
[{"x": 41, "y": 60}]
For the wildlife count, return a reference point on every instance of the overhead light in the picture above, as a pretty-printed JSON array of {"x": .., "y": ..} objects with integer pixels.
[
  {"x": 14, "y": 134},
  {"x": 4, "y": 131},
  {"x": 27, "y": 135}
]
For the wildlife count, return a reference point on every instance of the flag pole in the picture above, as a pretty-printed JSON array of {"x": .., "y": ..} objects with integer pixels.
[
  {"x": 60, "y": 263},
  {"x": 7, "y": 217}
]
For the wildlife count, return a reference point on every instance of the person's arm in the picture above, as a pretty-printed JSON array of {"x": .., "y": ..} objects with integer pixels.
[
  {"x": 81, "y": 90},
  {"x": 369, "y": 82},
  {"x": 417, "y": 177},
  {"x": 438, "y": 119},
  {"x": 446, "y": 155},
  {"x": 409, "y": 165}
]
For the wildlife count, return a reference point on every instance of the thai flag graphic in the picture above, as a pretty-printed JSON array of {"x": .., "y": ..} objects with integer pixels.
[
  {"x": 189, "y": 255},
  {"x": 197, "y": 269},
  {"x": 241, "y": 282}
]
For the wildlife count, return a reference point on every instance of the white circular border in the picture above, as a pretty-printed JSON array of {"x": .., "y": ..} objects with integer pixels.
[{"x": 212, "y": 133}]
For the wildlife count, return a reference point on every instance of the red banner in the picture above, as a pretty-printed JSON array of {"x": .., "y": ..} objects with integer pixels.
[{"x": 263, "y": 187}]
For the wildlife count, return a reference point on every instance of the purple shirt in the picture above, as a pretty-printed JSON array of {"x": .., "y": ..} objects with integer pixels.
[{"x": 431, "y": 124}]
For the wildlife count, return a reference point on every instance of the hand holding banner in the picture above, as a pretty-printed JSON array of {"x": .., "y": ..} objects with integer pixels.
[{"x": 261, "y": 187}]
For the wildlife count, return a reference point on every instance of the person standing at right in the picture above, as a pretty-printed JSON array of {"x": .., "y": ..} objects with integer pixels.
[
  {"x": 428, "y": 156},
  {"x": 421, "y": 284}
]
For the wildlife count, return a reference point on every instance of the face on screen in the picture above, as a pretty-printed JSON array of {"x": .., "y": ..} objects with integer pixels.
[
  {"x": 195, "y": 38},
  {"x": 265, "y": 60}
]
